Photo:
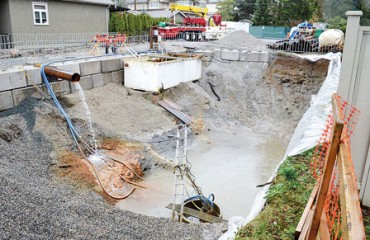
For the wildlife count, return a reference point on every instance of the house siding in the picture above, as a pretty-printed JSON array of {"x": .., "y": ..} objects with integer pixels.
[
  {"x": 5, "y": 23},
  {"x": 64, "y": 17}
]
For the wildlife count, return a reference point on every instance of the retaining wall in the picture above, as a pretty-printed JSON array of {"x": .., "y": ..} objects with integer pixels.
[
  {"x": 235, "y": 55},
  {"x": 18, "y": 83}
]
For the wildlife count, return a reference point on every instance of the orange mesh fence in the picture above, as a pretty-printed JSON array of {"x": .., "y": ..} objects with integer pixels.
[
  {"x": 350, "y": 116},
  {"x": 318, "y": 157}
]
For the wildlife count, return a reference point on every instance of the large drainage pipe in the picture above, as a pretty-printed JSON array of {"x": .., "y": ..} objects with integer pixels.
[{"x": 54, "y": 72}]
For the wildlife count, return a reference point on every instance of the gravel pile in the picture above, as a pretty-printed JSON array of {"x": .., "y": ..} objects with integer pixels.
[
  {"x": 35, "y": 204},
  {"x": 241, "y": 39}
]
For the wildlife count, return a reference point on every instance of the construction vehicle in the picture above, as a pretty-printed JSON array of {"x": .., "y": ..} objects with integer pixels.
[{"x": 193, "y": 28}]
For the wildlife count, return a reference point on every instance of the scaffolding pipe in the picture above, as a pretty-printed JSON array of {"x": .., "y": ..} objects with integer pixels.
[{"x": 54, "y": 72}]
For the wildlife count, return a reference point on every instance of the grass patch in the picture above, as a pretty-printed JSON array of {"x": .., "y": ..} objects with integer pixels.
[
  {"x": 285, "y": 201},
  {"x": 366, "y": 217}
]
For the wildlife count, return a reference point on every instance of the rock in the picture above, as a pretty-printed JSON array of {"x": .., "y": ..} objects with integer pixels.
[{"x": 15, "y": 53}]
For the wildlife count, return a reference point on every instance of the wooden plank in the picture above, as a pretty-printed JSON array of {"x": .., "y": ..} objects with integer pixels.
[
  {"x": 306, "y": 226},
  {"x": 330, "y": 159},
  {"x": 352, "y": 221},
  {"x": 175, "y": 110},
  {"x": 307, "y": 209},
  {"x": 323, "y": 228},
  {"x": 195, "y": 213}
]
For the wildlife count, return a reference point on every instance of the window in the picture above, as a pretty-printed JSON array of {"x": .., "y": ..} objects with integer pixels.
[
  {"x": 40, "y": 14},
  {"x": 154, "y": 4}
]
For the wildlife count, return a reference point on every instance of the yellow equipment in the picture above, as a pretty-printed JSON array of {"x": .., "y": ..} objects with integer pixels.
[{"x": 202, "y": 12}]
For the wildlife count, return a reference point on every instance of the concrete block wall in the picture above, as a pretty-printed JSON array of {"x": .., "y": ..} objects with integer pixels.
[
  {"x": 236, "y": 55},
  {"x": 18, "y": 83}
]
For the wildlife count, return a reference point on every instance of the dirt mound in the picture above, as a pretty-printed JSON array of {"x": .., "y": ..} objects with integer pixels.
[{"x": 241, "y": 39}]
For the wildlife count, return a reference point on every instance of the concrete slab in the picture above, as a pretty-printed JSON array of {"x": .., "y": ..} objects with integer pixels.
[
  {"x": 85, "y": 82},
  {"x": 12, "y": 79},
  {"x": 20, "y": 94},
  {"x": 6, "y": 100},
  {"x": 263, "y": 57},
  {"x": 90, "y": 67},
  {"x": 230, "y": 55},
  {"x": 252, "y": 56},
  {"x": 61, "y": 88},
  {"x": 117, "y": 77},
  {"x": 33, "y": 75},
  {"x": 110, "y": 65}
]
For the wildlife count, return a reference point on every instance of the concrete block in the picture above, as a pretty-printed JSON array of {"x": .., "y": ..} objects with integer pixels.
[
  {"x": 263, "y": 57},
  {"x": 207, "y": 55},
  {"x": 110, "y": 65},
  {"x": 86, "y": 83},
  {"x": 230, "y": 55},
  {"x": 117, "y": 77},
  {"x": 6, "y": 100},
  {"x": 73, "y": 67},
  {"x": 90, "y": 67},
  {"x": 107, "y": 77},
  {"x": 98, "y": 80},
  {"x": 22, "y": 93},
  {"x": 243, "y": 56},
  {"x": 61, "y": 88},
  {"x": 252, "y": 56},
  {"x": 33, "y": 75},
  {"x": 12, "y": 79},
  {"x": 217, "y": 53}
]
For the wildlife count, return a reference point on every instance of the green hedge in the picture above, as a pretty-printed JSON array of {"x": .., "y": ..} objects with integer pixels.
[{"x": 130, "y": 24}]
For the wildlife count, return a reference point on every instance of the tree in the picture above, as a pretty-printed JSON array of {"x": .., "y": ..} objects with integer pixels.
[
  {"x": 245, "y": 9},
  {"x": 339, "y": 8},
  {"x": 262, "y": 13},
  {"x": 337, "y": 23},
  {"x": 364, "y": 6},
  {"x": 227, "y": 9},
  {"x": 113, "y": 22},
  {"x": 289, "y": 12}
]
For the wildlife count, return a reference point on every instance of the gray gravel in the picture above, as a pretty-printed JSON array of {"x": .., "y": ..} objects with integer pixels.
[{"x": 34, "y": 204}]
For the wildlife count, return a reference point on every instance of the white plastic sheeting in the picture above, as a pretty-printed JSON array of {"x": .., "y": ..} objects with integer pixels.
[{"x": 305, "y": 136}]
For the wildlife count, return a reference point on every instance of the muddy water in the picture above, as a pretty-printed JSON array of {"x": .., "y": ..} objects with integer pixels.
[{"x": 228, "y": 164}]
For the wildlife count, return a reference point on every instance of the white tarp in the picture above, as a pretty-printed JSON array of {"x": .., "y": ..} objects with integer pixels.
[{"x": 305, "y": 136}]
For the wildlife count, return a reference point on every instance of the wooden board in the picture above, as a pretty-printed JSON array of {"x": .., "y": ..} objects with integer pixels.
[
  {"x": 198, "y": 214},
  {"x": 175, "y": 110},
  {"x": 306, "y": 211},
  {"x": 306, "y": 226},
  {"x": 352, "y": 221}
]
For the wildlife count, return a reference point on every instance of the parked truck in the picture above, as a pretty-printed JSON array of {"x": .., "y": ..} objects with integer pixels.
[{"x": 193, "y": 28}]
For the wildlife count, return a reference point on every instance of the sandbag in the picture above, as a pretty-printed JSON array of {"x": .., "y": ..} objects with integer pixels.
[{"x": 331, "y": 37}]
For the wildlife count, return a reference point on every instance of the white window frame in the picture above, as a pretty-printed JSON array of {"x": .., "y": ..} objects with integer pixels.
[
  {"x": 154, "y": 4},
  {"x": 40, "y": 11}
]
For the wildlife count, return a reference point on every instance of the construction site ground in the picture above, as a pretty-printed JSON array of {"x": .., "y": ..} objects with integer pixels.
[{"x": 48, "y": 191}]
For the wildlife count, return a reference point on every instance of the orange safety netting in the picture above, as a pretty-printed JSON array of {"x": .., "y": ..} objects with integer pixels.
[{"x": 349, "y": 115}]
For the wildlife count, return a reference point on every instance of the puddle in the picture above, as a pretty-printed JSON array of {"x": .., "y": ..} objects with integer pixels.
[{"x": 227, "y": 164}]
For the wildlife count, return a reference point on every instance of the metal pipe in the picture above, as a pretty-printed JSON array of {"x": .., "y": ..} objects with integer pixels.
[{"x": 73, "y": 77}]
